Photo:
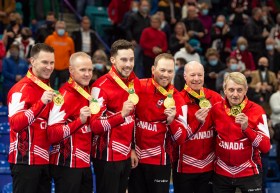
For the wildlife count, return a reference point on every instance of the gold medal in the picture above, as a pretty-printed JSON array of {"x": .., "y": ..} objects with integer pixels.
[
  {"x": 58, "y": 99},
  {"x": 204, "y": 103},
  {"x": 169, "y": 101},
  {"x": 133, "y": 98},
  {"x": 94, "y": 107},
  {"x": 235, "y": 110}
]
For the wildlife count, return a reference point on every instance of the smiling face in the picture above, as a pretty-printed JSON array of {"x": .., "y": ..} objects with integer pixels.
[
  {"x": 42, "y": 64},
  {"x": 194, "y": 75},
  {"x": 123, "y": 62},
  {"x": 234, "y": 92},
  {"x": 81, "y": 70},
  {"x": 163, "y": 71}
]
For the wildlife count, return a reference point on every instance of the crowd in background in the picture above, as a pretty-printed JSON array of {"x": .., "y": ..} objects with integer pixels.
[{"x": 225, "y": 36}]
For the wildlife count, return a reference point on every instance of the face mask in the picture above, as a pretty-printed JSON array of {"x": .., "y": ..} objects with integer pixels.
[
  {"x": 233, "y": 67},
  {"x": 145, "y": 9},
  {"x": 220, "y": 24},
  {"x": 134, "y": 9},
  {"x": 242, "y": 47},
  {"x": 269, "y": 47},
  {"x": 213, "y": 62},
  {"x": 14, "y": 53},
  {"x": 262, "y": 68},
  {"x": 60, "y": 32},
  {"x": 98, "y": 67},
  {"x": 204, "y": 11}
]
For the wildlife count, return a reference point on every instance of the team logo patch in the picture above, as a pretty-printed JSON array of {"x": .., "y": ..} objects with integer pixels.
[{"x": 160, "y": 103}]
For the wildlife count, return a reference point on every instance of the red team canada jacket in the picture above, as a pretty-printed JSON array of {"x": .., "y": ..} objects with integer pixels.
[
  {"x": 197, "y": 155},
  {"x": 28, "y": 122},
  {"x": 71, "y": 140},
  {"x": 113, "y": 138},
  {"x": 153, "y": 137},
  {"x": 237, "y": 151}
]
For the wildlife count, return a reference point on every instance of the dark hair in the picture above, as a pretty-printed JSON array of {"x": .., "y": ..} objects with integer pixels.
[
  {"x": 182, "y": 61},
  {"x": 41, "y": 47},
  {"x": 229, "y": 58},
  {"x": 120, "y": 45}
]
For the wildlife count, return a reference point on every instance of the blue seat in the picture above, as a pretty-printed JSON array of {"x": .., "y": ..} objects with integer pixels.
[
  {"x": 4, "y": 128},
  {"x": 3, "y": 149},
  {"x": 101, "y": 24},
  {"x": 171, "y": 188},
  {"x": 94, "y": 11},
  {"x": 273, "y": 187},
  {"x": 273, "y": 172},
  {"x": 3, "y": 111},
  {"x": 8, "y": 188},
  {"x": 5, "y": 179},
  {"x": 4, "y": 167},
  {"x": 273, "y": 150}
]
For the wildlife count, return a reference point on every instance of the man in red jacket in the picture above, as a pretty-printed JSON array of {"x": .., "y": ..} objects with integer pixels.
[
  {"x": 196, "y": 156},
  {"x": 242, "y": 134},
  {"x": 69, "y": 132},
  {"x": 28, "y": 113},
  {"x": 116, "y": 93},
  {"x": 159, "y": 121}
]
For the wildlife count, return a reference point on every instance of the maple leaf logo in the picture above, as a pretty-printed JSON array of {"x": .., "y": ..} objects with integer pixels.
[
  {"x": 56, "y": 115},
  {"x": 15, "y": 105}
]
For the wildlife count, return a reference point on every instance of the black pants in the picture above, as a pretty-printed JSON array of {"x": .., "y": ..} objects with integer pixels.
[
  {"x": 111, "y": 177},
  {"x": 62, "y": 75},
  {"x": 192, "y": 183},
  {"x": 146, "y": 178},
  {"x": 31, "y": 179},
  {"x": 72, "y": 180},
  {"x": 251, "y": 184}
]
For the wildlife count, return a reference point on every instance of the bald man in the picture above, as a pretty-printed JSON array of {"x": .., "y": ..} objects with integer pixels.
[
  {"x": 195, "y": 165},
  {"x": 68, "y": 130}
]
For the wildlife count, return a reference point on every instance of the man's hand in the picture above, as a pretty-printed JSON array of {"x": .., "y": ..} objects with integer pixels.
[
  {"x": 128, "y": 106},
  {"x": 47, "y": 96},
  {"x": 134, "y": 159},
  {"x": 201, "y": 114},
  {"x": 170, "y": 113},
  {"x": 242, "y": 119},
  {"x": 84, "y": 114}
]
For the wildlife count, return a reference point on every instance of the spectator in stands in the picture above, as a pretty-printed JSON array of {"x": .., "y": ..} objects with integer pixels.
[
  {"x": 179, "y": 81},
  {"x": 272, "y": 55},
  {"x": 275, "y": 33},
  {"x": 39, "y": 11},
  {"x": 171, "y": 9},
  {"x": 100, "y": 62},
  {"x": 242, "y": 54},
  {"x": 47, "y": 29},
  {"x": 64, "y": 47},
  {"x": 221, "y": 37},
  {"x": 263, "y": 82},
  {"x": 82, "y": 4},
  {"x": 207, "y": 23},
  {"x": 153, "y": 42},
  {"x": 232, "y": 66},
  {"x": 85, "y": 39},
  {"x": 194, "y": 26},
  {"x": 178, "y": 38},
  {"x": 13, "y": 30},
  {"x": 256, "y": 34},
  {"x": 190, "y": 51},
  {"x": 25, "y": 42},
  {"x": 6, "y": 7},
  {"x": 136, "y": 23},
  {"x": 267, "y": 18},
  {"x": 212, "y": 68},
  {"x": 165, "y": 27},
  {"x": 274, "y": 103},
  {"x": 185, "y": 6},
  {"x": 14, "y": 69},
  {"x": 117, "y": 9}
]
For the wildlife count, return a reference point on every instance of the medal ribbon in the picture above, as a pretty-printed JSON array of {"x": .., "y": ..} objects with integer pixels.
[
  {"x": 193, "y": 93},
  {"x": 79, "y": 89},
  {"x": 161, "y": 89},
  {"x": 38, "y": 81},
  {"x": 241, "y": 105},
  {"x": 129, "y": 89}
]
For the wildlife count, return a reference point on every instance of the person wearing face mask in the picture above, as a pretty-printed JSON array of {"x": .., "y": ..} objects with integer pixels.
[
  {"x": 100, "y": 61},
  {"x": 232, "y": 66},
  {"x": 272, "y": 55},
  {"x": 25, "y": 42},
  {"x": 13, "y": 70},
  {"x": 64, "y": 46},
  {"x": 243, "y": 55},
  {"x": 264, "y": 82},
  {"x": 221, "y": 36},
  {"x": 44, "y": 31},
  {"x": 212, "y": 67}
]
